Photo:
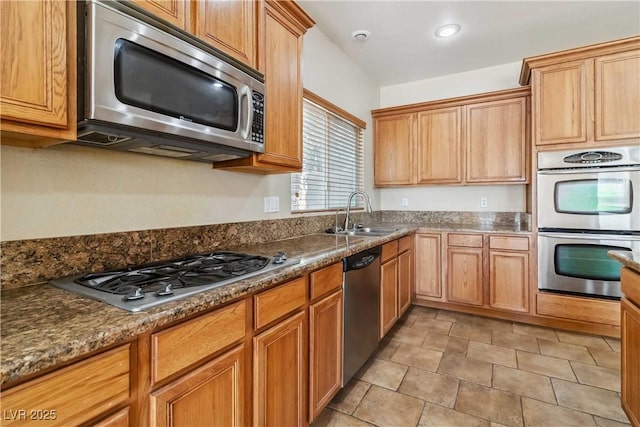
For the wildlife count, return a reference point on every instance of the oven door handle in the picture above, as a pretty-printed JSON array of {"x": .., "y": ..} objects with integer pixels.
[
  {"x": 587, "y": 170},
  {"x": 589, "y": 236}
]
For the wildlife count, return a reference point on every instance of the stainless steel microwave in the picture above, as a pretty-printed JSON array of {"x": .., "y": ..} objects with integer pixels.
[{"x": 146, "y": 86}]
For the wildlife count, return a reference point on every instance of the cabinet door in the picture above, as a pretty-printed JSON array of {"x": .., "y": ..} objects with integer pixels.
[
  {"x": 509, "y": 281},
  {"x": 428, "y": 266},
  {"x": 630, "y": 336},
  {"x": 496, "y": 141},
  {"x": 325, "y": 352},
  {"x": 229, "y": 25},
  {"x": 560, "y": 103},
  {"x": 175, "y": 12},
  {"x": 464, "y": 276},
  {"x": 393, "y": 150},
  {"x": 34, "y": 79},
  {"x": 388, "y": 295},
  {"x": 439, "y": 144},
  {"x": 405, "y": 280},
  {"x": 617, "y": 96},
  {"x": 212, "y": 395},
  {"x": 119, "y": 419},
  {"x": 279, "y": 372}
]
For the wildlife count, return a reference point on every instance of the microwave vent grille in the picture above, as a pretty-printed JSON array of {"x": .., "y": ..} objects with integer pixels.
[{"x": 102, "y": 139}]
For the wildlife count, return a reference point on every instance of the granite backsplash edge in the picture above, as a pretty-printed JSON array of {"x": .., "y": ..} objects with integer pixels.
[{"x": 34, "y": 261}]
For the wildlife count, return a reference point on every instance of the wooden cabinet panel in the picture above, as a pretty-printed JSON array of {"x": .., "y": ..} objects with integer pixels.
[
  {"x": 393, "y": 150},
  {"x": 279, "y": 374},
  {"x": 175, "y": 12},
  {"x": 439, "y": 144},
  {"x": 202, "y": 337},
  {"x": 465, "y": 240},
  {"x": 560, "y": 103},
  {"x": 464, "y": 276},
  {"x": 509, "y": 243},
  {"x": 279, "y": 301},
  {"x": 119, "y": 419},
  {"x": 509, "y": 281},
  {"x": 405, "y": 281},
  {"x": 405, "y": 243},
  {"x": 388, "y": 295},
  {"x": 389, "y": 251},
  {"x": 212, "y": 395},
  {"x": 630, "y": 337},
  {"x": 78, "y": 393},
  {"x": 325, "y": 352},
  {"x": 576, "y": 308},
  {"x": 617, "y": 96},
  {"x": 496, "y": 141},
  {"x": 326, "y": 280},
  {"x": 428, "y": 281},
  {"x": 229, "y": 25}
]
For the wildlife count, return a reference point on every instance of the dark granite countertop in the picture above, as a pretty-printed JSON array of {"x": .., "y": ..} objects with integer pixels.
[
  {"x": 627, "y": 258},
  {"x": 43, "y": 326}
]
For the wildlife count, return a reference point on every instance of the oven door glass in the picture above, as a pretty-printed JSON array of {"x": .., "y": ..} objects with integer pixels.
[
  {"x": 587, "y": 261},
  {"x": 594, "y": 196}
]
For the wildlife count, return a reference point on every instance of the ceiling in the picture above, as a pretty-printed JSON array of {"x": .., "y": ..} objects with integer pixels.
[{"x": 403, "y": 48}]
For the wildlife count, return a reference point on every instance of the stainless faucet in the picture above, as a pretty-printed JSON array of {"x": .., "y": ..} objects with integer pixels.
[{"x": 366, "y": 198}]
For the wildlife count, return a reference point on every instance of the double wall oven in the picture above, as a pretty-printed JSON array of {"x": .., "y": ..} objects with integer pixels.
[{"x": 588, "y": 204}]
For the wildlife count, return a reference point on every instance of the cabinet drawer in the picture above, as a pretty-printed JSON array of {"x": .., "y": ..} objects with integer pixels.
[
  {"x": 280, "y": 301},
  {"x": 465, "y": 240},
  {"x": 389, "y": 250},
  {"x": 509, "y": 243},
  {"x": 76, "y": 393},
  {"x": 576, "y": 308},
  {"x": 326, "y": 280},
  {"x": 405, "y": 243},
  {"x": 182, "y": 345}
]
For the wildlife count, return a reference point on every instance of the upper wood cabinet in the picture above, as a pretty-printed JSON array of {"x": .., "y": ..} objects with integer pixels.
[
  {"x": 175, "y": 12},
  {"x": 211, "y": 23},
  {"x": 454, "y": 141},
  {"x": 589, "y": 96},
  {"x": 38, "y": 75}
]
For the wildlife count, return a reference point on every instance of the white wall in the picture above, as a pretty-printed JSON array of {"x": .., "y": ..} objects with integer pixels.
[
  {"x": 504, "y": 198},
  {"x": 70, "y": 190}
]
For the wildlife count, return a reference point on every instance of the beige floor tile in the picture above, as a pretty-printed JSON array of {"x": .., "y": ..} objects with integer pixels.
[
  {"x": 597, "y": 376},
  {"x": 350, "y": 396},
  {"x": 434, "y": 388},
  {"x": 432, "y": 325},
  {"x": 383, "y": 373},
  {"x": 603, "y": 422},
  {"x": 454, "y": 316},
  {"x": 593, "y": 400},
  {"x": 466, "y": 369},
  {"x": 494, "y": 324},
  {"x": 497, "y": 425},
  {"x": 406, "y": 320},
  {"x": 471, "y": 332},
  {"x": 614, "y": 343},
  {"x": 536, "y": 331},
  {"x": 565, "y": 351},
  {"x": 386, "y": 348},
  {"x": 606, "y": 358},
  {"x": 540, "y": 414},
  {"x": 490, "y": 404},
  {"x": 417, "y": 357},
  {"x": 516, "y": 341},
  {"x": 523, "y": 383},
  {"x": 591, "y": 341},
  {"x": 446, "y": 344},
  {"x": 384, "y": 407},
  {"x": 492, "y": 354},
  {"x": 329, "y": 418},
  {"x": 545, "y": 365},
  {"x": 407, "y": 334},
  {"x": 438, "y": 416},
  {"x": 425, "y": 312}
]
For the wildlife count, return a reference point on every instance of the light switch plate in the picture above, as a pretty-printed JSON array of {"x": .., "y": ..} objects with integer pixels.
[{"x": 271, "y": 204}]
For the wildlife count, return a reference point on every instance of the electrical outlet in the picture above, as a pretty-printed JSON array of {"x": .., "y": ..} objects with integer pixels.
[
  {"x": 483, "y": 202},
  {"x": 271, "y": 204},
  {"x": 405, "y": 202}
]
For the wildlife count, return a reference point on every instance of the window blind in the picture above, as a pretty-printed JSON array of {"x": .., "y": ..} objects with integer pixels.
[{"x": 331, "y": 161}]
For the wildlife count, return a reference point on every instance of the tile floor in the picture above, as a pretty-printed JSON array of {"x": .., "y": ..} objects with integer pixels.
[{"x": 441, "y": 368}]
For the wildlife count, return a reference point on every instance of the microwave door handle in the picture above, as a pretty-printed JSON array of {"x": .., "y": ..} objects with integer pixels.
[{"x": 246, "y": 94}]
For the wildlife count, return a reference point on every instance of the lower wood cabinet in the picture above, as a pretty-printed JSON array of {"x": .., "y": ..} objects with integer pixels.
[
  {"x": 428, "y": 270},
  {"x": 509, "y": 281},
  {"x": 405, "y": 280},
  {"x": 388, "y": 287},
  {"x": 119, "y": 419},
  {"x": 630, "y": 351},
  {"x": 279, "y": 373},
  {"x": 464, "y": 276},
  {"x": 212, "y": 395}
]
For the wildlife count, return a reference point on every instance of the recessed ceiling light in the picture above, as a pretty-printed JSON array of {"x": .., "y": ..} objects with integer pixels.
[
  {"x": 361, "y": 35},
  {"x": 447, "y": 30}
]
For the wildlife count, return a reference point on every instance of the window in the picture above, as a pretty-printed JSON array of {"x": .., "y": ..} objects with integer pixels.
[{"x": 331, "y": 158}]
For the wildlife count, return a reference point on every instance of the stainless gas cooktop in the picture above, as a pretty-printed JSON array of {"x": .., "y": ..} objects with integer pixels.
[{"x": 142, "y": 287}]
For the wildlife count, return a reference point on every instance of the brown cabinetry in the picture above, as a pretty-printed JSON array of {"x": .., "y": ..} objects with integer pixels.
[
  {"x": 464, "y": 275},
  {"x": 38, "y": 77},
  {"x": 630, "y": 335},
  {"x": 586, "y": 96},
  {"x": 406, "y": 273},
  {"x": 388, "y": 289},
  {"x": 454, "y": 141},
  {"x": 175, "y": 12},
  {"x": 509, "y": 273},
  {"x": 428, "y": 281}
]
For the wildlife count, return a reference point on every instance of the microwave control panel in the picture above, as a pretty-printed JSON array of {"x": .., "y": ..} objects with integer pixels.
[{"x": 257, "y": 127}]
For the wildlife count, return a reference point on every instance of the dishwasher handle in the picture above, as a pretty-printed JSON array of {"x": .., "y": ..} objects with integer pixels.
[{"x": 361, "y": 259}]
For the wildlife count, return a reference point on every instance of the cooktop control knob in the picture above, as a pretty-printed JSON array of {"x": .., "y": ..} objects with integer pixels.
[
  {"x": 279, "y": 258},
  {"x": 166, "y": 289},
  {"x": 134, "y": 295}
]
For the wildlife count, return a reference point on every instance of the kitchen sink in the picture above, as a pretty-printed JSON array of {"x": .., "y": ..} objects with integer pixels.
[{"x": 369, "y": 231}]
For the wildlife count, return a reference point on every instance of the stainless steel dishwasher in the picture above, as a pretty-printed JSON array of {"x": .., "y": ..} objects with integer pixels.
[{"x": 361, "y": 310}]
